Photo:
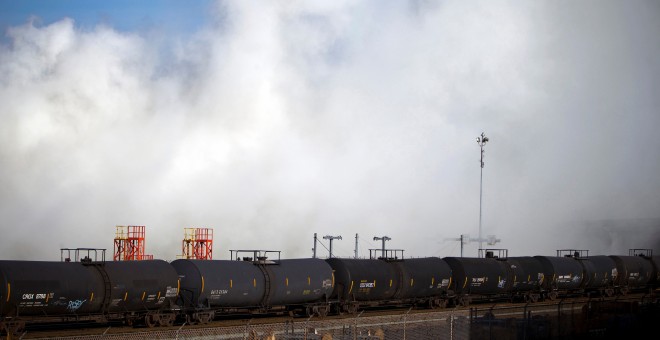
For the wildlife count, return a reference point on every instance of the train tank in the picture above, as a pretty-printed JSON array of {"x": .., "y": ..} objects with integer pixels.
[
  {"x": 363, "y": 280},
  {"x": 599, "y": 274},
  {"x": 220, "y": 284},
  {"x": 562, "y": 273},
  {"x": 424, "y": 279},
  {"x": 478, "y": 278},
  {"x": 141, "y": 285},
  {"x": 298, "y": 281},
  {"x": 634, "y": 272},
  {"x": 527, "y": 277},
  {"x": 50, "y": 288}
]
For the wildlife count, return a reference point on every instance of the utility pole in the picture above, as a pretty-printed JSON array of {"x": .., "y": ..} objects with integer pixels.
[
  {"x": 328, "y": 237},
  {"x": 356, "y": 246},
  {"x": 314, "y": 249},
  {"x": 482, "y": 142}
]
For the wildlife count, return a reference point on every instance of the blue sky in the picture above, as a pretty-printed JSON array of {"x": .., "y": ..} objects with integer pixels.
[{"x": 124, "y": 15}]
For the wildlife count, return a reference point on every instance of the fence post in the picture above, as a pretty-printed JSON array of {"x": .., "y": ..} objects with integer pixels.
[
  {"x": 356, "y": 325},
  {"x": 405, "y": 316}
]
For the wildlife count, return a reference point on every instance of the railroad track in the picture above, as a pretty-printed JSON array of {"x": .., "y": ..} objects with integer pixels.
[{"x": 245, "y": 321}]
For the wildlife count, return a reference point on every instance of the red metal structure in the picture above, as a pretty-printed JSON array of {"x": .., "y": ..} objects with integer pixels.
[
  {"x": 197, "y": 244},
  {"x": 130, "y": 244}
]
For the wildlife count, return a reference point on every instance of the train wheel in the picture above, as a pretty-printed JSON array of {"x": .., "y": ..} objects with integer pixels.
[
  {"x": 464, "y": 301},
  {"x": 150, "y": 320},
  {"x": 323, "y": 311},
  {"x": 190, "y": 320},
  {"x": 432, "y": 303},
  {"x": 166, "y": 320},
  {"x": 443, "y": 303},
  {"x": 204, "y": 318},
  {"x": 552, "y": 296}
]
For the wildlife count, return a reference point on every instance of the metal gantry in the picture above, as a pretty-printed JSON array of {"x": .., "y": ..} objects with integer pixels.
[{"x": 328, "y": 237}]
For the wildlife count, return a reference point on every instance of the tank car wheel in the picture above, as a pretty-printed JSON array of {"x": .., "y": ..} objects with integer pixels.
[
  {"x": 338, "y": 309},
  {"x": 552, "y": 296},
  {"x": 205, "y": 318},
  {"x": 352, "y": 308},
  {"x": 150, "y": 320},
  {"x": 609, "y": 292},
  {"x": 190, "y": 320},
  {"x": 464, "y": 301},
  {"x": 443, "y": 303},
  {"x": 166, "y": 320},
  {"x": 322, "y": 311}
]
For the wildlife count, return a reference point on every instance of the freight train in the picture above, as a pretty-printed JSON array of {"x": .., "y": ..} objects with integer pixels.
[{"x": 86, "y": 289}]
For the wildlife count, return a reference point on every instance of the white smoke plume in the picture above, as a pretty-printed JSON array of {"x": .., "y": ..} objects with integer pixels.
[{"x": 280, "y": 120}]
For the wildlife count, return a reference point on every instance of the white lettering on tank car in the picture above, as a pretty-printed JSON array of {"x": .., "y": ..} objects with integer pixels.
[
  {"x": 478, "y": 281},
  {"x": 28, "y": 296},
  {"x": 367, "y": 285},
  {"x": 171, "y": 292},
  {"x": 219, "y": 291}
]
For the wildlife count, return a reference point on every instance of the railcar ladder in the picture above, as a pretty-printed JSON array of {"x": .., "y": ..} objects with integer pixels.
[
  {"x": 265, "y": 302},
  {"x": 107, "y": 286}
]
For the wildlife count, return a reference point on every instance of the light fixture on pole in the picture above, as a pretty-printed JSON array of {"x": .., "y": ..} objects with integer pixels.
[{"x": 482, "y": 142}]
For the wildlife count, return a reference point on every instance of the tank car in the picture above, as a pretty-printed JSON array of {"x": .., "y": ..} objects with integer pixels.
[
  {"x": 479, "y": 278},
  {"x": 656, "y": 268},
  {"x": 254, "y": 285},
  {"x": 362, "y": 282},
  {"x": 141, "y": 291},
  {"x": 39, "y": 288},
  {"x": 527, "y": 278},
  {"x": 599, "y": 274},
  {"x": 424, "y": 281},
  {"x": 634, "y": 272},
  {"x": 86, "y": 290},
  {"x": 564, "y": 275}
]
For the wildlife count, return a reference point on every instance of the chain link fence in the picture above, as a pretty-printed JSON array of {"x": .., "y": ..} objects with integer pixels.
[
  {"x": 594, "y": 319},
  {"x": 434, "y": 325}
]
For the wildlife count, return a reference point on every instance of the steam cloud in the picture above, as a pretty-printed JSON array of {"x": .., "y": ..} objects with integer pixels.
[{"x": 279, "y": 120}]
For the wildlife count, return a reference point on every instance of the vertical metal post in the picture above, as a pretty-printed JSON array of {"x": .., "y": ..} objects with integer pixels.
[
  {"x": 356, "y": 246},
  {"x": 314, "y": 249},
  {"x": 482, "y": 142}
]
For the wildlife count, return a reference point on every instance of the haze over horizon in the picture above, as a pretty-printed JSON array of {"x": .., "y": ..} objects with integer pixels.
[{"x": 270, "y": 122}]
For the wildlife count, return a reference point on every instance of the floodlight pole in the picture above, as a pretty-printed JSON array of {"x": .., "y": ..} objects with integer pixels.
[{"x": 482, "y": 142}]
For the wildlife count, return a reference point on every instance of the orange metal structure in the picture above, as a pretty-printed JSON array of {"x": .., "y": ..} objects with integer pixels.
[
  {"x": 130, "y": 244},
  {"x": 197, "y": 243}
]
